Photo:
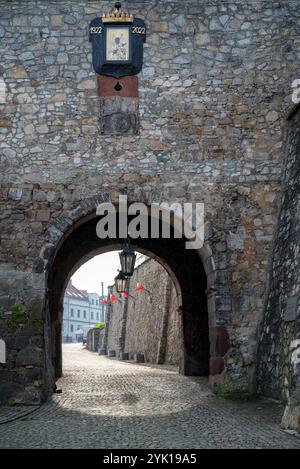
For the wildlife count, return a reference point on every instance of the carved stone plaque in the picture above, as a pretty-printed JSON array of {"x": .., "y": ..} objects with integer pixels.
[{"x": 119, "y": 116}]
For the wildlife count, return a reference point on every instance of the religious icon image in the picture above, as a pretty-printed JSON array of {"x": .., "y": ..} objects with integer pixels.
[
  {"x": 117, "y": 40},
  {"x": 117, "y": 44}
]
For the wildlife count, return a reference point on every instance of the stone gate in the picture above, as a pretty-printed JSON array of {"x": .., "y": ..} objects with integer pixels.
[{"x": 214, "y": 94}]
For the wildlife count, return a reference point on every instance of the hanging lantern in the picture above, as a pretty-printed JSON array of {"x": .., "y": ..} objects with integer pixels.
[
  {"x": 105, "y": 302},
  {"x": 112, "y": 298},
  {"x": 139, "y": 287},
  {"x": 127, "y": 259},
  {"x": 120, "y": 282},
  {"x": 125, "y": 294}
]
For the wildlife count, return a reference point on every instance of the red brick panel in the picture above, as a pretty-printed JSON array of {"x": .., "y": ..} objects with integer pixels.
[{"x": 129, "y": 86}]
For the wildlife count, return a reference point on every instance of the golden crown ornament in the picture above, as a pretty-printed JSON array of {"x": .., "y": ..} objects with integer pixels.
[{"x": 117, "y": 15}]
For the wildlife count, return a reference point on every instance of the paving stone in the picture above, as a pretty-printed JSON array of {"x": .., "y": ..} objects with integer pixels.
[
  {"x": 107, "y": 403},
  {"x": 10, "y": 413}
]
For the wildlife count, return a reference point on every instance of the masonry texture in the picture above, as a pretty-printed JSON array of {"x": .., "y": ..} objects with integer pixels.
[
  {"x": 213, "y": 96},
  {"x": 279, "y": 350},
  {"x": 94, "y": 339},
  {"x": 152, "y": 324}
]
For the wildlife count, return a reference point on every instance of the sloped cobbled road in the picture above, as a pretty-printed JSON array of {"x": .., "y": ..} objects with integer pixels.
[{"x": 106, "y": 403}]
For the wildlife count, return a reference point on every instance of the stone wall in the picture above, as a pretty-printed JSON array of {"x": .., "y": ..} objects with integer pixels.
[
  {"x": 173, "y": 346},
  {"x": 279, "y": 348},
  {"x": 94, "y": 339},
  {"x": 23, "y": 376},
  {"x": 114, "y": 323},
  {"x": 152, "y": 325},
  {"x": 213, "y": 96}
]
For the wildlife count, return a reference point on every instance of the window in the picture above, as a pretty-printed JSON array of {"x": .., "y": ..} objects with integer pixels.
[
  {"x": 96, "y": 302},
  {"x": 78, "y": 327},
  {"x": 84, "y": 314},
  {"x": 97, "y": 316},
  {"x": 71, "y": 328},
  {"x": 92, "y": 316},
  {"x": 92, "y": 301},
  {"x": 72, "y": 312},
  {"x": 78, "y": 313}
]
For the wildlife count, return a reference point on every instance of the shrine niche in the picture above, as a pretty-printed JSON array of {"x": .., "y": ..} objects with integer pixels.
[{"x": 117, "y": 40}]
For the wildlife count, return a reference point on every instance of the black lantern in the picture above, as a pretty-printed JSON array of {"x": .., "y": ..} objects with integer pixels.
[
  {"x": 127, "y": 259},
  {"x": 121, "y": 282}
]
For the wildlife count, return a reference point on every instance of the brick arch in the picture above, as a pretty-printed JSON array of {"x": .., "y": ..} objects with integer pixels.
[
  {"x": 72, "y": 240},
  {"x": 62, "y": 226}
]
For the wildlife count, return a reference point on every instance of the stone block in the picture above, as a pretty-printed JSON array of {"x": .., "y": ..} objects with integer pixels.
[
  {"x": 8, "y": 389},
  {"x": 43, "y": 215},
  {"x": 57, "y": 20},
  {"x": 5, "y": 123},
  {"x": 17, "y": 72},
  {"x": 139, "y": 358},
  {"x": 88, "y": 84},
  {"x": 15, "y": 193},
  {"x": 291, "y": 309},
  {"x": 62, "y": 58},
  {"x": 28, "y": 375},
  {"x": 30, "y": 395},
  {"x": 35, "y": 308},
  {"x": 30, "y": 355},
  {"x": 291, "y": 417},
  {"x": 235, "y": 241},
  {"x": 16, "y": 341},
  {"x": 111, "y": 353},
  {"x": 124, "y": 356}
]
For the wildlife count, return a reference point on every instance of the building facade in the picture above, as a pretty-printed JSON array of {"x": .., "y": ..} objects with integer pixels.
[
  {"x": 81, "y": 312},
  {"x": 215, "y": 90}
]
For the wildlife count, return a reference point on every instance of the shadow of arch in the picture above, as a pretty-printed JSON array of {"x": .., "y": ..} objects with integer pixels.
[{"x": 191, "y": 271}]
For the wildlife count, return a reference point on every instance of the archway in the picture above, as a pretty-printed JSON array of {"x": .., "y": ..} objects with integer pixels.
[{"x": 185, "y": 267}]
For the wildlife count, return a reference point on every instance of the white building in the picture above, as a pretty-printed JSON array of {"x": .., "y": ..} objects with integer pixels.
[{"x": 82, "y": 311}]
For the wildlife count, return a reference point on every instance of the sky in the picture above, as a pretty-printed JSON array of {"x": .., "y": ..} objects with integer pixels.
[{"x": 102, "y": 268}]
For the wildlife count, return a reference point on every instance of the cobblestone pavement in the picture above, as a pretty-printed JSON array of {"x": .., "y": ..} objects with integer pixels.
[
  {"x": 106, "y": 403},
  {"x": 8, "y": 414}
]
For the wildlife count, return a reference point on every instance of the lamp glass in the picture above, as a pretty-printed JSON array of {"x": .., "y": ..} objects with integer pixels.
[
  {"x": 127, "y": 259},
  {"x": 120, "y": 282}
]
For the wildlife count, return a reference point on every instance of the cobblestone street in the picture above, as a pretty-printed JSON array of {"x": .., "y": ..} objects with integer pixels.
[{"x": 110, "y": 404}]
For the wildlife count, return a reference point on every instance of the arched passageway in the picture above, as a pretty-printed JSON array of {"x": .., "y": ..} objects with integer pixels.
[{"x": 184, "y": 266}]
